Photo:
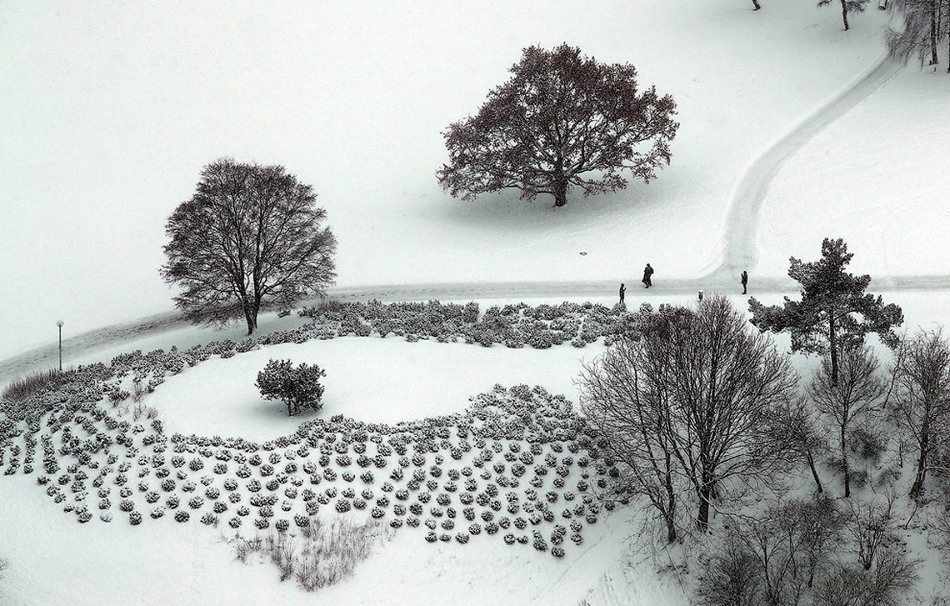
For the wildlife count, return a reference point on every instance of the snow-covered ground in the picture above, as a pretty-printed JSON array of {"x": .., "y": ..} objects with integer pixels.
[
  {"x": 877, "y": 177},
  {"x": 110, "y": 111},
  {"x": 373, "y": 380}
]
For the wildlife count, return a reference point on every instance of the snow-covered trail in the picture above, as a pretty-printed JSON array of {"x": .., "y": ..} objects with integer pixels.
[
  {"x": 739, "y": 246},
  {"x": 101, "y": 339}
]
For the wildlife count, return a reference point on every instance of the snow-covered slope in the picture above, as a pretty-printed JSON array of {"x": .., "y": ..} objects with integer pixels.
[
  {"x": 110, "y": 111},
  {"x": 877, "y": 178}
]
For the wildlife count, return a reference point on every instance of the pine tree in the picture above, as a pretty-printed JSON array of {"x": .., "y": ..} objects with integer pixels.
[
  {"x": 925, "y": 24},
  {"x": 834, "y": 309}
]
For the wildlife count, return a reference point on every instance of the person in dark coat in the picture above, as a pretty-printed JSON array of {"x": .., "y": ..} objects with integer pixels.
[
  {"x": 745, "y": 281},
  {"x": 623, "y": 289},
  {"x": 647, "y": 276}
]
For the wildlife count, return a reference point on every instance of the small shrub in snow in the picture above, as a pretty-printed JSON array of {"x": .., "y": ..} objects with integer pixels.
[
  {"x": 243, "y": 511},
  {"x": 233, "y": 522},
  {"x": 343, "y": 505},
  {"x": 234, "y": 497},
  {"x": 172, "y": 502},
  {"x": 299, "y": 388},
  {"x": 158, "y": 512},
  {"x": 182, "y": 516},
  {"x": 135, "y": 518}
]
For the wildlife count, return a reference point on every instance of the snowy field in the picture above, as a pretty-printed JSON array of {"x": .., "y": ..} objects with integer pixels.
[
  {"x": 877, "y": 178},
  {"x": 110, "y": 112}
]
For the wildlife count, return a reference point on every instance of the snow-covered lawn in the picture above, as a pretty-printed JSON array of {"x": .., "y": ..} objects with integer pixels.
[
  {"x": 877, "y": 178},
  {"x": 370, "y": 379}
]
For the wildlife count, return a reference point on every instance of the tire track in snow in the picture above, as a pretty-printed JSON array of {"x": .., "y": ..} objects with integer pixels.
[{"x": 739, "y": 247}]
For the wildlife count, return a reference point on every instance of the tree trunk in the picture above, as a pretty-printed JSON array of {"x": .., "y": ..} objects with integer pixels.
[
  {"x": 833, "y": 341},
  {"x": 814, "y": 472},
  {"x": 670, "y": 515},
  {"x": 755, "y": 3},
  {"x": 933, "y": 33},
  {"x": 844, "y": 463},
  {"x": 560, "y": 191},
  {"x": 918, "y": 486},
  {"x": 702, "y": 521},
  {"x": 250, "y": 316},
  {"x": 844, "y": 14}
]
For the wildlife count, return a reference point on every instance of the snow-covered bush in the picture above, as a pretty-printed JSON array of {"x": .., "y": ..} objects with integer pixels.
[{"x": 299, "y": 388}]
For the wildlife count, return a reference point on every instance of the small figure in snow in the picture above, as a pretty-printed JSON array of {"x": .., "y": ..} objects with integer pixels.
[
  {"x": 623, "y": 289},
  {"x": 647, "y": 276},
  {"x": 745, "y": 281}
]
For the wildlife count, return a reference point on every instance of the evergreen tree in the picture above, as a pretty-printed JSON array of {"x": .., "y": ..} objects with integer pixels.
[
  {"x": 834, "y": 309},
  {"x": 561, "y": 121},
  {"x": 847, "y": 6}
]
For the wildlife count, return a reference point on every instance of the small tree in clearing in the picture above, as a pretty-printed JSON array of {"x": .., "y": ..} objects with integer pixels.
[
  {"x": 847, "y": 6},
  {"x": 562, "y": 121},
  {"x": 834, "y": 308},
  {"x": 854, "y": 398},
  {"x": 298, "y": 388}
]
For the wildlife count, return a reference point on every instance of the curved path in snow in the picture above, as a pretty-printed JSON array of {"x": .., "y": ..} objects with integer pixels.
[
  {"x": 739, "y": 250},
  {"x": 739, "y": 253}
]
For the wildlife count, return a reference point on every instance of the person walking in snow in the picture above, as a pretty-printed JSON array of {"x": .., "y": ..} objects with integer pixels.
[
  {"x": 623, "y": 289},
  {"x": 647, "y": 276},
  {"x": 745, "y": 281}
]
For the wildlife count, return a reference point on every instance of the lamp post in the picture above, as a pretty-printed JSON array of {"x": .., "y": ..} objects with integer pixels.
[{"x": 59, "y": 324}]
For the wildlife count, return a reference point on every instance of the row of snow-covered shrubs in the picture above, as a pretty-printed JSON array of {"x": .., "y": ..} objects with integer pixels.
[
  {"x": 515, "y": 326},
  {"x": 506, "y": 462}
]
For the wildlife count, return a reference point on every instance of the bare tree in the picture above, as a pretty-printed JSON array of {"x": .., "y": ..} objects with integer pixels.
[
  {"x": 847, "y": 6},
  {"x": 627, "y": 396},
  {"x": 249, "y": 239},
  {"x": 921, "y": 404},
  {"x": 854, "y": 397},
  {"x": 774, "y": 559},
  {"x": 709, "y": 385},
  {"x": 796, "y": 431}
]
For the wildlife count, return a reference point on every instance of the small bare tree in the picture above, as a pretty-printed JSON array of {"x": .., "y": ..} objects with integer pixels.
[
  {"x": 796, "y": 430},
  {"x": 773, "y": 560},
  {"x": 627, "y": 394},
  {"x": 702, "y": 388},
  {"x": 921, "y": 405},
  {"x": 854, "y": 397}
]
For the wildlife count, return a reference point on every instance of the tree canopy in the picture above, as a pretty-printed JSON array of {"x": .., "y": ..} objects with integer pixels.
[
  {"x": 834, "y": 308},
  {"x": 563, "y": 120},
  {"x": 250, "y": 238}
]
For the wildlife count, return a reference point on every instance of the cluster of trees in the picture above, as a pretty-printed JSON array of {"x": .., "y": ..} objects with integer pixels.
[
  {"x": 926, "y": 23},
  {"x": 703, "y": 410},
  {"x": 252, "y": 237}
]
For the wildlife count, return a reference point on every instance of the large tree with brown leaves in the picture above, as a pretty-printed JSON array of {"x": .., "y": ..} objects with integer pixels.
[{"x": 562, "y": 121}]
